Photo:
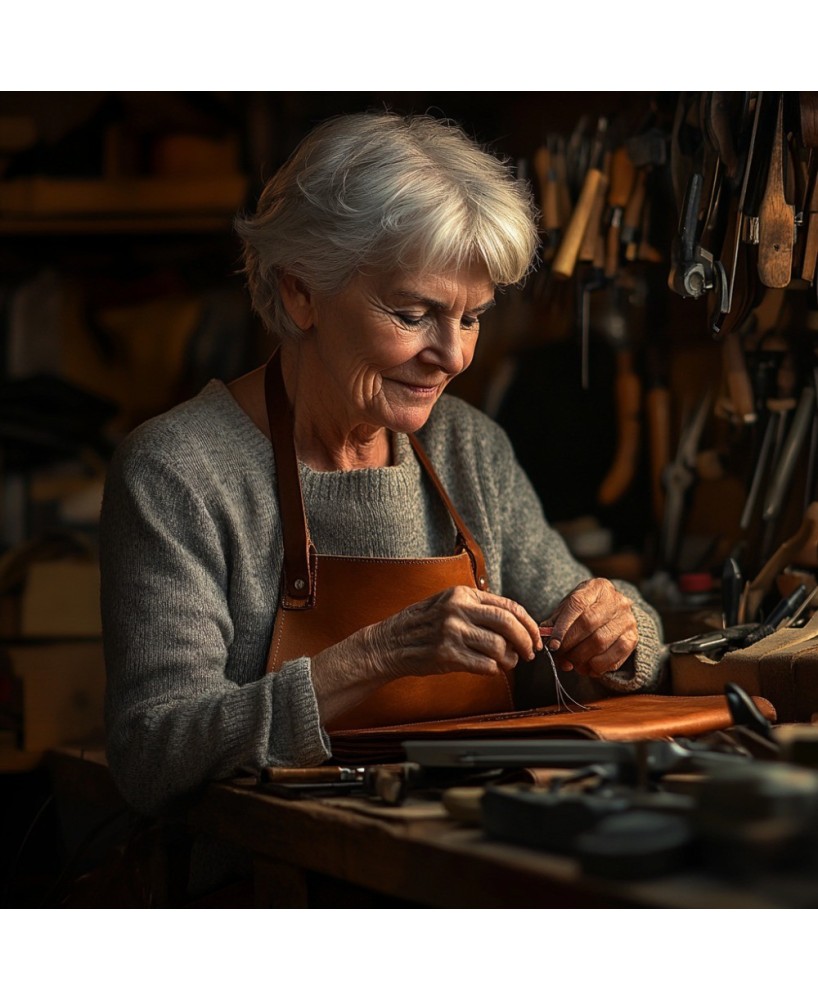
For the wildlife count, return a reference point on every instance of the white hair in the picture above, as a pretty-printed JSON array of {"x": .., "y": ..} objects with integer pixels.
[{"x": 378, "y": 190}]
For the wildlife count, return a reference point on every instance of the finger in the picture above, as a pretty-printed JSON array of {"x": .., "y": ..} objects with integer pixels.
[
  {"x": 612, "y": 659},
  {"x": 465, "y": 647},
  {"x": 569, "y": 611},
  {"x": 487, "y": 644},
  {"x": 609, "y": 606},
  {"x": 518, "y": 612},
  {"x": 502, "y": 622},
  {"x": 606, "y": 649}
]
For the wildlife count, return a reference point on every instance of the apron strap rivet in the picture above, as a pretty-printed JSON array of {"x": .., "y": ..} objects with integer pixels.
[{"x": 299, "y": 584}]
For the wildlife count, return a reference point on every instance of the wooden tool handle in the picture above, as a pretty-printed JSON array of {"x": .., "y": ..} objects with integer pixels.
[
  {"x": 612, "y": 247},
  {"x": 628, "y": 402},
  {"x": 566, "y": 258},
  {"x": 720, "y": 123},
  {"x": 801, "y": 548},
  {"x": 739, "y": 386},
  {"x": 810, "y": 257},
  {"x": 623, "y": 175},
  {"x": 808, "y": 106},
  {"x": 551, "y": 209},
  {"x": 590, "y": 241},
  {"x": 657, "y": 409},
  {"x": 633, "y": 210},
  {"x": 776, "y": 219}
]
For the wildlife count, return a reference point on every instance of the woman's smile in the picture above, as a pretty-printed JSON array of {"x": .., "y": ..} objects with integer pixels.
[{"x": 376, "y": 356}]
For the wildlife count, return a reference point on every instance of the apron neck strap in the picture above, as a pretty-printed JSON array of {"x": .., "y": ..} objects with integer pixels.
[
  {"x": 299, "y": 555},
  {"x": 466, "y": 542},
  {"x": 298, "y": 577}
]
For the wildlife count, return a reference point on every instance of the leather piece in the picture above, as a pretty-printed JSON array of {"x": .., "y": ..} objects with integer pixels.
[
  {"x": 783, "y": 668},
  {"x": 630, "y": 717},
  {"x": 352, "y": 593},
  {"x": 465, "y": 540},
  {"x": 298, "y": 570}
]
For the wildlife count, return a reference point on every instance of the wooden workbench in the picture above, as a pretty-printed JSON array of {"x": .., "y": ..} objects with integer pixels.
[{"x": 410, "y": 855}]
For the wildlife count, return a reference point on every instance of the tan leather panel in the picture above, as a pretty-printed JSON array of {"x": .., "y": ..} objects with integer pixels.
[
  {"x": 629, "y": 717},
  {"x": 353, "y": 592}
]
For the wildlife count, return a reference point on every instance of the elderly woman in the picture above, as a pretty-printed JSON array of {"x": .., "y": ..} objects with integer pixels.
[{"x": 332, "y": 541}]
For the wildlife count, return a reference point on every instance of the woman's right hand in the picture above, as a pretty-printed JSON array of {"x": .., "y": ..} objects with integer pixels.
[{"x": 459, "y": 629}]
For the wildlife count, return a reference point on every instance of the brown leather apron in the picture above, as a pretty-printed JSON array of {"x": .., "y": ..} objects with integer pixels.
[{"x": 325, "y": 598}]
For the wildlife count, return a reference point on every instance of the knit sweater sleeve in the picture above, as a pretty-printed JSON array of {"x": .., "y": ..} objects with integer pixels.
[{"x": 174, "y": 717}]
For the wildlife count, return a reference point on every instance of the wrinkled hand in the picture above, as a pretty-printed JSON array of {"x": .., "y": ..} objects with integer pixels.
[
  {"x": 459, "y": 629},
  {"x": 593, "y": 629}
]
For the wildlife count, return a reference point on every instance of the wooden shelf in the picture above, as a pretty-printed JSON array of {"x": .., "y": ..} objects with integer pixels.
[
  {"x": 41, "y": 205},
  {"x": 116, "y": 225}
]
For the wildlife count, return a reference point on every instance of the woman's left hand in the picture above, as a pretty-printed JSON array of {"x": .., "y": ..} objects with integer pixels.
[{"x": 593, "y": 631}]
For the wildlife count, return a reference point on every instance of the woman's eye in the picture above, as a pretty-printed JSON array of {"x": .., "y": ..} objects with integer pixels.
[{"x": 410, "y": 320}]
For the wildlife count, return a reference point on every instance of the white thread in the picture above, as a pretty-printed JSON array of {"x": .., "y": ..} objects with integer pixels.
[{"x": 563, "y": 697}]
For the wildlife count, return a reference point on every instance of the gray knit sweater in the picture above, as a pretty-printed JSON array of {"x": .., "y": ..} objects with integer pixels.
[{"x": 191, "y": 562}]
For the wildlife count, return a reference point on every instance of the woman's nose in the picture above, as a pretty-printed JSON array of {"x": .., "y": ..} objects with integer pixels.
[{"x": 446, "y": 349}]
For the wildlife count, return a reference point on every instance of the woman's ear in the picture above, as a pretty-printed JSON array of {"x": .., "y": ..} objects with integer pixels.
[{"x": 298, "y": 301}]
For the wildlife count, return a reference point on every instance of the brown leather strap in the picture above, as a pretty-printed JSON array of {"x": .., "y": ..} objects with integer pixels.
[
  {"x": 299, "y": 553},
  {"x": 298, "y": 590},
  {"x": 465, "y": 540}
]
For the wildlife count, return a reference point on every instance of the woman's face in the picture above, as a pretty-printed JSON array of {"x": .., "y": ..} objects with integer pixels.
[{"x": 388, "y": 344}]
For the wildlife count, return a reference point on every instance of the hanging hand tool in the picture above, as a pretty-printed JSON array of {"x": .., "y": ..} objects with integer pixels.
[
  {"x": 801, "y": 549},
  {"x": 693, "y": 269},
  {"x": 739, "y": 405},
  {"x": 773, "y": 387},
  {"x": 776, "y": 217},
  {"x": 808, "y": 114},
  {"x": 589, "y": 248},
  {"x": 718, "y": 126},
  {"x": 628, "y": 394},
  {"x": 782, "y": 477},
  {"x": 762, "y": 462},
  {"x": 623, "y": 175},
  {"x": 736, "y": 292},
  {"x": 773, "y": 383},
  {"x": 732, "y": 584},
  {"x": 628, "y": 409},
  {"x": 546, "y": 180},
  {"x": 568, "y": 251},
  {"x": 592, "y": 283},
  {"x": 648, "y": 151},
  {"x": 632, "y": 217},
  {"x": 679, "y": 478},
  {"x": 810, "y": 255},
  {"x": 808, "y": 111},
  {"x": 569, "y": 248}
]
